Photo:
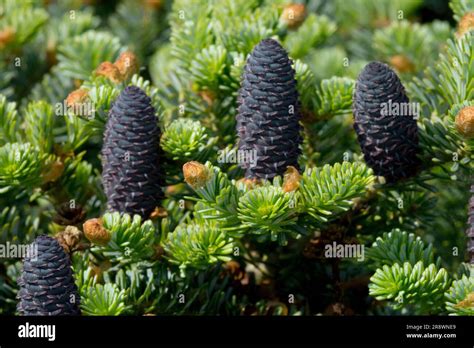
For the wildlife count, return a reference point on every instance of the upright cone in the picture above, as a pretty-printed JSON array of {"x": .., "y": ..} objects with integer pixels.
[
  {"x": 269, "y": 113},
  {"x": 131, "y": 155},
  {"x": 46, "y": 284},
  {"x": 385, "y": 124}
]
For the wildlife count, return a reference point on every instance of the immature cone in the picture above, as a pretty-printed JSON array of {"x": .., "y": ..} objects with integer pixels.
[
  {"x": 68, "y": 214},
  {"x": 46, "y": 284},
  {"x": 470, "y": 228},
  {"x": 465, "y": 122},
  {"x": 388, "y": 139},
  {"x": 131, "y": 155},
  {"x": 269, "y": 112}
]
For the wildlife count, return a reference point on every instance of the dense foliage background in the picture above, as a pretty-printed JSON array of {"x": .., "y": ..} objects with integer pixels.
[{"x": 218, "y": 245}]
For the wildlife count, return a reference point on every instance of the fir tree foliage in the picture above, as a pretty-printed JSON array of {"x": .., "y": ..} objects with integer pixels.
[{"x": 231, "y": 242}]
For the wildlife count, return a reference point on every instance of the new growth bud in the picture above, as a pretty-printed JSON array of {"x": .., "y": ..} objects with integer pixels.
[
  {"x": 196, "y": 174},
  {"x": 96, "y": 233}
]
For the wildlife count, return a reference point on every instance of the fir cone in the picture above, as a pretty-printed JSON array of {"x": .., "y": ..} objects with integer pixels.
[
  {"x": 470, "y": 228},
  {"x": 46, "y": 284},
  {"x": 68, "y": 214},
  {"x": 388, "y": 139},
  {"x": 269, "y": 112},
  {"x": 131, "y": 155}
]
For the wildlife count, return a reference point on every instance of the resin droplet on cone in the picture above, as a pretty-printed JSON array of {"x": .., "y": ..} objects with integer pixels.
[
  {"x": 269, "y": 112},
  {"x": 388, "y": 140},
  {"x": 46, "y": 284},
  {"x": 131, "y": 155}
]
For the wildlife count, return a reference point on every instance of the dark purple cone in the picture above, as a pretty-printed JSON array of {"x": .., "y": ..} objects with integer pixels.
[
  {"x": 389, "y": 142},
  {"x": 269, "y": 112},
  {"x": 47, "y": 284},
  {"x": 470, "y": 228},
  {"x": 131, "y": 155}
]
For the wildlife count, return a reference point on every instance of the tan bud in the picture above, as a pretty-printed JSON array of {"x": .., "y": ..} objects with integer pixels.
[
  {"x": 293, "y": 15},
  {"x": 154, "y": 4},
  {"x": 249, "y": 183},
  {"x": 196, "y": 174},
  {"x": 466, "y": 24},
  {"x": 208, "y": 96},
  {"x": 98, "y": 270},
  {"x": 402, "y": 63},
  {"x": 159, "y": 212},
  {"x": 51, "y": 57},
  {"x": 69, "y": 238},
  {"x": 95, "y": 232},
  {"x": 77, "y": 96},
  {"x": 465, "y": 122},
  {"x": 468, "y": 302},
  {"x": 53, "y": 171},
  {"x": 127, "y": 64},
  {"x": 110, "y": 71},
  {"x": 7, "y": 35},
  {"x": 291, "y": 179},
  {"x": 75, "y": 99}
]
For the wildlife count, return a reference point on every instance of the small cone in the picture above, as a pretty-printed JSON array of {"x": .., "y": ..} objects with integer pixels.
[
  {"x": 46, "y": 284},
  {"x": 388, "y": 140},
  {"x": 131, "y": 156},
  {"x": 269, "y": 112}
]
